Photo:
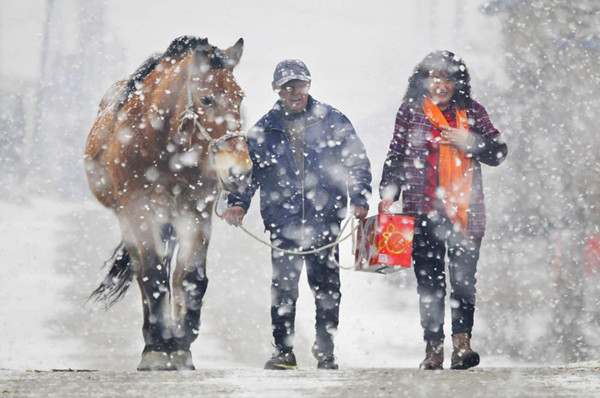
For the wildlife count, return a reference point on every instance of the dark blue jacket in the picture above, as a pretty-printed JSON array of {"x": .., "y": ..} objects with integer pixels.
[{"x": 335, "y": 167}]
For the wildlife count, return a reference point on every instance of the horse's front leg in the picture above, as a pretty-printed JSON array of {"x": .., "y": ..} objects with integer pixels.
[
  {"x": 152, "y": 275},
  {"x": 189, "y": 285}
]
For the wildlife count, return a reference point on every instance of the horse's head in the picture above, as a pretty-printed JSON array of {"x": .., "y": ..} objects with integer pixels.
[{"x": 216, "y": 99}]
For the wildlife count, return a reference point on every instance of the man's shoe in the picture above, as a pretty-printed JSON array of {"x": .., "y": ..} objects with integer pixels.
[
  {"x": 327, "y": 363},
  {"x": 282, "y": 361},
  {"x": 324, "y": 361}
]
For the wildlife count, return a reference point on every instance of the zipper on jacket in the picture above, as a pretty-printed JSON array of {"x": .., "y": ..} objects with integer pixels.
[
  {"x": 301, "y": 178},
  {"x": 302, "y": 190}
]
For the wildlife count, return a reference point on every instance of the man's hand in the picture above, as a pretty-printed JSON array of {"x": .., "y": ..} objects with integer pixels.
[
  {"x": 234, "y": 215},
  {"x": 385, "y": 204},
  {"x": 460, "y": 138},
  {"x": 360, "y": 212}
]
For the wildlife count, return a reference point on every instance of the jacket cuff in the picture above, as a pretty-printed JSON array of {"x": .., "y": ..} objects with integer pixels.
[
  {"x": 359, "y": 203},
  {"x": 241, "y": 204},
  {"x": 236, "y": 201}
]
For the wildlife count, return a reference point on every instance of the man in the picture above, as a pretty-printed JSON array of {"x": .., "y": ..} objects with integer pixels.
[{"x": 308, "y": 161}]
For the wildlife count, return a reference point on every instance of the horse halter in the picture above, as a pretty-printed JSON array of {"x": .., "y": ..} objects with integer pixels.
[{"x": 190, "y": 114}]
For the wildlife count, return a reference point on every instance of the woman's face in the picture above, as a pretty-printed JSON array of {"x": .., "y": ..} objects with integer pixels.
[{"x": 441, "y": 88}]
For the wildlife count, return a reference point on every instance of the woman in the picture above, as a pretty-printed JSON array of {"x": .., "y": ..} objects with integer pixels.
[{"x": 441, "y": 137}]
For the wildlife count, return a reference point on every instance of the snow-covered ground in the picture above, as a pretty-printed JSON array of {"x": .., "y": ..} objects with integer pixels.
[{"x": 385, "y": 382}]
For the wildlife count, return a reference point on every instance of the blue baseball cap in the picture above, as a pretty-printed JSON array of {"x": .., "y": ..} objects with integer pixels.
[{"x": 290, "y": 69}]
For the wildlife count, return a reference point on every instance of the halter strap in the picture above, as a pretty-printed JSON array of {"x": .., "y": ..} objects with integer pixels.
[{"x": 189, "y": 114}]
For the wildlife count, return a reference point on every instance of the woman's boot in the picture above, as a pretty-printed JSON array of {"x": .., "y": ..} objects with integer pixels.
[
  {"x": 434, "y": 355},
  {"x": 463, "y": 357}
]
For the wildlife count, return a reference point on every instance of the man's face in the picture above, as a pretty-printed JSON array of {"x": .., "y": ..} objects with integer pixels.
[{"x": 294, "y": 95}]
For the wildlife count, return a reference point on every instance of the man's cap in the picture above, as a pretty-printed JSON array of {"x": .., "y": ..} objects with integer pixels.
[{"x": 290, "y": 69}]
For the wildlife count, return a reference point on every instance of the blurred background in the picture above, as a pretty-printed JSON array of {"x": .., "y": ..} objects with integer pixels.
[{"x": 534, "y": 66}]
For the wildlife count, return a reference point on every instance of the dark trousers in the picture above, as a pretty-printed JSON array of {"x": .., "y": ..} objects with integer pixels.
[
  {"x": 324, "y": 281},
  {"x": 434, "y": 235}
]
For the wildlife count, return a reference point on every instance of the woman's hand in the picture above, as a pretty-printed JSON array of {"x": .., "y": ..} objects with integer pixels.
[
  {"x": 360, "y": 212},
  {"x": 460, "y": 138},
  {"x": 385, "y": 204}
]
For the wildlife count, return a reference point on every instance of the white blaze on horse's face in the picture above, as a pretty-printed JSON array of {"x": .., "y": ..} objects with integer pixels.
[
  {"x": 219, "y": 114},
  {"x": 233, "y": 164}
]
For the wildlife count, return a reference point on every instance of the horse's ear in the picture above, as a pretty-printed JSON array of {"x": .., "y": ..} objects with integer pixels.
[{"x": 234, "y": 53}]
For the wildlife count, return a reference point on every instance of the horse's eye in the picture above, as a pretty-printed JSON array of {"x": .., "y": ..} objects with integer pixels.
[{"x": 206, "y": 101}]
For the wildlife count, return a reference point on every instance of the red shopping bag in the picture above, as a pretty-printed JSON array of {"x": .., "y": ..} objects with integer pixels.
[{"x": 384, "y": 243}]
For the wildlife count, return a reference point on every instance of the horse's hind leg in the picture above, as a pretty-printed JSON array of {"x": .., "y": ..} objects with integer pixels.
[{"x": 189, "y": 286}]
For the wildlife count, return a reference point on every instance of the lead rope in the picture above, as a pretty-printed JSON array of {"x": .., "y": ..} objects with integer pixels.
[{"x": 331, "y": 245}]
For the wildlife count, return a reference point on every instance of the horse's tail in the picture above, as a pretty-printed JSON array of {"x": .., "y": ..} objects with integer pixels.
[{"x": 120, "y": 275}]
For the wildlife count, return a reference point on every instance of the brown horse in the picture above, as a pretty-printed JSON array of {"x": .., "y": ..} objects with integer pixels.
[{"x": 164, "y": 142}]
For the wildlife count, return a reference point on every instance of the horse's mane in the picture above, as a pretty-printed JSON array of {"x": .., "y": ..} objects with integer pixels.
[
  {"x": 177, "y": 49},
  {"x": 138, "y": 76}
]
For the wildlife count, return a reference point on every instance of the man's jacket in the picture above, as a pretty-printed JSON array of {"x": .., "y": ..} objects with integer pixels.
[{"x": 336, "y": 168}]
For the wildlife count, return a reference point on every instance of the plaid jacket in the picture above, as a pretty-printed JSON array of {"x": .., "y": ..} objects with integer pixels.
[{"x": 404, "y": 168}]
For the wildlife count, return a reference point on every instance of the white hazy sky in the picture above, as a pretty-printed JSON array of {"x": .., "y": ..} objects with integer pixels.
[{"x": 360, "y": 52}]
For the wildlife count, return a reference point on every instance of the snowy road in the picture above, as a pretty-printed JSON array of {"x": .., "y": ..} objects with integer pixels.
[
  {"x": 488, "y": 382},
  {"x": 46, "y": 326}
]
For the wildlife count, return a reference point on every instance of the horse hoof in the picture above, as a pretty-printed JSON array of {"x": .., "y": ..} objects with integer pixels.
[
  {"x": 155, "y": 361},
  {"x": 182, "y": 360}
]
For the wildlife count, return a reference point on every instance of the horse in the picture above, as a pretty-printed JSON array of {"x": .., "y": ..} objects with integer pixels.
[{"x": 166, "y": 140}]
